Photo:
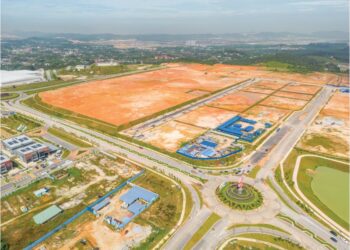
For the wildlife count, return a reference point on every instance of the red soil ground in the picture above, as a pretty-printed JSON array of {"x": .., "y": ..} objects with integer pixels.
[{"x": 124, "y": 99}]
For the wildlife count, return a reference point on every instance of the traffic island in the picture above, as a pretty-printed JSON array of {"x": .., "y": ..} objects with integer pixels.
[{"x": 239, "y": 195}]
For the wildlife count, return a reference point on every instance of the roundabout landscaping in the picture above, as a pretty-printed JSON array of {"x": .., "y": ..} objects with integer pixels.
[{"x": 242, "y": 198}]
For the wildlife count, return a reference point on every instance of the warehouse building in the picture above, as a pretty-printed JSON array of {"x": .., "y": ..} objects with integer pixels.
[
  {"x": 6, "y": 164},
  {"x": 47, "y": 214}
]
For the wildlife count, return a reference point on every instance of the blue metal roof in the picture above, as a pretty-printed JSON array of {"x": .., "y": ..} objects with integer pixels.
[
  {"x": 208, "y": 152},
  {"x": 209, "y": 144},
  {"x": 137, "y": 192},
  {"x": 101, "y": 205},
  {"x": 136, "y": 208}
]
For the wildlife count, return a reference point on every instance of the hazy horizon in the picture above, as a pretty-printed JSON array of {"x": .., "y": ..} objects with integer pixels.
[{"x": 176, "y": 17}]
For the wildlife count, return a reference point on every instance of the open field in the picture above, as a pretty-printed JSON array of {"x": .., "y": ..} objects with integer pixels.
[
  {"x": 338, "y": 106},
  {"x": 284, "y": 103},
  {"x": 125, "y": 99},
  {"x": 270, "y": 84},
  {"x": 255, "y": 89},
  {"x": 238, "y": 101},
  {"x": 266, "y": 114},
  {"x": 206, "y": 117},
  {"x": 330, "y": 132},
  {"x": 293, "y": 95},
  {"x": 302, "y": 88},
  {"x": 171, "y": 135},
  {"x": 331, "y": 187},
  {"x": 308, "y": 180}
]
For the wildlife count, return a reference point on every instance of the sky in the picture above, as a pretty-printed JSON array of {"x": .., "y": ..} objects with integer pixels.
[{"x": 173, "y": 16}]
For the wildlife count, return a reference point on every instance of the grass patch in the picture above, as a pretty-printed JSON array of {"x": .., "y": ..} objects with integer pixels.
[
  {"x": 196, "y": 188},
  {"x": 284, "y": 67},
  {"x": 212, "y": 219},
  {"x": 248, "y": 245},
  {"x": 282, "y": 242},
  {"x": 14, "y": 122},
  {"x": 164, "y": 213},
  {"x": 259, "y": 225},
  {"x": 306, "y": 174},
  {"x": 8, "y": 96},
  {"x": 254, "y": 172},
  {"x": 69, "y": 137}
]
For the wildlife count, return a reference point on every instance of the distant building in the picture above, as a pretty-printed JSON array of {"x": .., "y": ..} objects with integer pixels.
[
  {"x": 14, "y": 143},
  {"x": 105, "y": 64},
  {"x": 80, "y": 67},
  {"x": 5, "y": 163},
  {"x": 41, "y": 192}
]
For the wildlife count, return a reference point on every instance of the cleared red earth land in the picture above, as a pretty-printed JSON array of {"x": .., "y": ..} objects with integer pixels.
[
  {"x": 302, "y": 88},
  {"x": 293, "y": 95},
  {"x": 124, "y": 99},
  {"x": 238, "y": 101}
]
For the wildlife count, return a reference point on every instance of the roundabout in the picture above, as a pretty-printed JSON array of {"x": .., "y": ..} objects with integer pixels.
[{"x": 239, "y": 196}]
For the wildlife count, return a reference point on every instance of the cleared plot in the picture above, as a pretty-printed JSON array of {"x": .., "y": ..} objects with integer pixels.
[
  {"x": 238, "y": 101},
  {"x": 302, "y": 88},
  {"x": 258, "y": 90},
  {"x": 206, "y": 117},
  {"x": 285, "y": 103},
  {"x": 266, "y": 114},
  {"x": 124, "y": 99},
  {"x": 293, "y": 95},
  {"x": 171, "y": 135},
  {"x": 331, "y": 187},
  {"x": 270, "y": 84},
  {"x": 338, "y": 106}
]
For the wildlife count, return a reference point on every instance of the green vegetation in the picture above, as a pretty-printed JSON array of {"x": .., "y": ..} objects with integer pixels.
[
  {"x": 333, "y": 176},
  {"x": 330, "y": 143},
  {"x": 254, "y": 172},
  {"x": 189, "y": 202},
  {"x": 207, "y": 225},
  {"x": 246, "y": 199},
  {"x": 164, "y": 213},
  {"x": 196, "y": 188},
  {"x": 14, "y": 122},
  {"x": 282, "y": 242},
  {"x": 69, "y": 137},
  {"x": 99, "y": 70},
  {"x": 258, "y": 225},
  {"x": 242, "y": 244},
  {"x": 8, "y": 96},
  {"x": 284, "y": 67},
  {"x": 331, "y": 187}
]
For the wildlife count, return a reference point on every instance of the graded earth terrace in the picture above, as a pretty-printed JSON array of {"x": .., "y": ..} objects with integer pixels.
[{"x": 125, "y": 99}]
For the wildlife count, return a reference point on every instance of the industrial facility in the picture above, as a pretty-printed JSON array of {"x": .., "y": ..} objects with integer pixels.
[
  {"x": 242, "y": 128},
  {"x": 27, "y": 149}
]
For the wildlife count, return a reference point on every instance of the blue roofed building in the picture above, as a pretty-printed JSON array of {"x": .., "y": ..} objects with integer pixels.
[{"x": 136, "y": 193}]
